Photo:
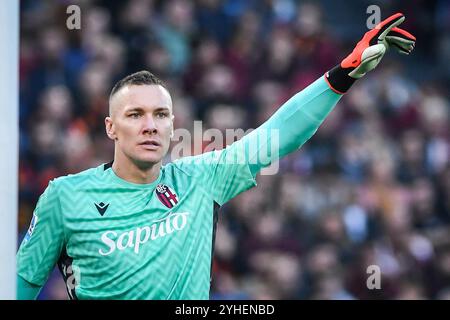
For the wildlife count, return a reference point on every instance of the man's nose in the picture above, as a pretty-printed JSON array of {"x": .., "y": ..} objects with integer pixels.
[{"x": 149, "y": 125}]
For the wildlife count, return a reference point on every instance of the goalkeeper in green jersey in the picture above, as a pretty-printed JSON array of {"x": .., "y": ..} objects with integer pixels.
[{"x": 135, "y": 229}]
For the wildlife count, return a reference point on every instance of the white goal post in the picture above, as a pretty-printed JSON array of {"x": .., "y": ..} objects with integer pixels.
[{"x": 9, "y": 144}]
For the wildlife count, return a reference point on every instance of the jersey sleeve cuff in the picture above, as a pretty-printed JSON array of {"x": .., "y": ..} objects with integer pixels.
[{"x": 338, "y": 79}]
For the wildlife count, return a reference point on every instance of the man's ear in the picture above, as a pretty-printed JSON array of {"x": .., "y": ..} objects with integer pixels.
[
  {"x": 110, "y": 130},
  {"x": 171, "y": 128}
]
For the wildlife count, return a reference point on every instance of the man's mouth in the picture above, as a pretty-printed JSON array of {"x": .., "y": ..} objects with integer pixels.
[{"x": 150, "y": 144}]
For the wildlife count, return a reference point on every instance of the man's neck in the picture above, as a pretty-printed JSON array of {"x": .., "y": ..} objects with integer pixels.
[{"x": 131, "y": 172}]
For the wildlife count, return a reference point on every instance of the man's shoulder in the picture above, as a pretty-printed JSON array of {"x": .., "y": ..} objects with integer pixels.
[
  {"x": 87, "y": 176},
  {"x": 193, "y": 165}
]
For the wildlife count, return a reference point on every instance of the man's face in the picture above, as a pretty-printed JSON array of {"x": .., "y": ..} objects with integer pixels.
[{"x": 141, "y": 123}]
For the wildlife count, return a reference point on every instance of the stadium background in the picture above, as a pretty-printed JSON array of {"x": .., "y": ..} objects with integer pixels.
[{"x": 371, "y": 187}]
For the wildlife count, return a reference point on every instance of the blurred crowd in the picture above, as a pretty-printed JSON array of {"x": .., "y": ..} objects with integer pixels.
[{"x": 371, "y": 187}]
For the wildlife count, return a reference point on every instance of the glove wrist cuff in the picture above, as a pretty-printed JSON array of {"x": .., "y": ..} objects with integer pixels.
[{"x": 339, "y": 80}]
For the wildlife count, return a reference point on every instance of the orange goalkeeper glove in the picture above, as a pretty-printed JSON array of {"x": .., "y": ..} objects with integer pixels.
[{"x": 369, "y": 51}]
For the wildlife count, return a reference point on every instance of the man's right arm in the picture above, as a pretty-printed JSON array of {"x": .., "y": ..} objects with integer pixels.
[
  {"x": 26, "y": 290},
  {"x": 41, "y": 246}
]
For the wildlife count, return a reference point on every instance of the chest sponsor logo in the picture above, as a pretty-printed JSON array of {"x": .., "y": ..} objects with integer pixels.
[
  {"x": 133, "y": 239},
  {"x": 166, "y": 195}
]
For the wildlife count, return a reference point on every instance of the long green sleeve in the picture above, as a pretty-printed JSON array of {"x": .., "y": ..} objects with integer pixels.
[
  {"x": 291, "y": 126},
  {"x": 26, "y": 290}
]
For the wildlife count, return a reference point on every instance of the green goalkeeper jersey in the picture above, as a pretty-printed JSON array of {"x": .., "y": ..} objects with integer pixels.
[{"x": 114, "y": 239}]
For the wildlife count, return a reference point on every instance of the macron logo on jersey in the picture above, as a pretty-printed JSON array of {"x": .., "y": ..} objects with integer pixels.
[{"x": 135, "y": 238}]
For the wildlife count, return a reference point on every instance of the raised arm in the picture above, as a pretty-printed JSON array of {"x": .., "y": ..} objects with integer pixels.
[
  {"x": 230, "y": 171},
  {"x": 300, "y": 117}
]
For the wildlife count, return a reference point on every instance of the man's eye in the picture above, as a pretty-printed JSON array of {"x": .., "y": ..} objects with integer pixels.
[
  {"x": 134, "y": 115},
  {"x": 162, "y": 114}
]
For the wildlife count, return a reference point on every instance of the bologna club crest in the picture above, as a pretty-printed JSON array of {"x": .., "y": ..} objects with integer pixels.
[{"x": 166, "y": 195}]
